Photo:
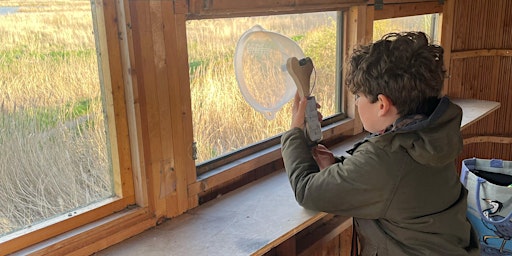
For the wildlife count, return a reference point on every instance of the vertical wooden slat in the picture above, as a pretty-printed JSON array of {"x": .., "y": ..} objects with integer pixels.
[
  {"x": 447, "y": 20},
  {"x": 149, "y": 107},
  {"x": 176, "y": 60},
  {"x": 132, "y": 103},
  {"x": 187, "y": 169},
  {"x": 355, "y": 35},
  {"x": 162, "y": 76}
]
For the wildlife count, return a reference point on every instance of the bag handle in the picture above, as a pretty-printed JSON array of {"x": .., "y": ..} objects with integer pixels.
[{"x": 479, "y": 183}]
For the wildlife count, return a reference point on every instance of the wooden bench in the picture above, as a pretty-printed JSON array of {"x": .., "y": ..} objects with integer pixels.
[{"x": 256, "y": 218}]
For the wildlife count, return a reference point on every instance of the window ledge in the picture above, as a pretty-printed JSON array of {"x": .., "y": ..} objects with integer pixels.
[
  {"x": 250, "y": 220},
  {"x": 246, "y": 164},
  {"x": 474, "y": 110}
]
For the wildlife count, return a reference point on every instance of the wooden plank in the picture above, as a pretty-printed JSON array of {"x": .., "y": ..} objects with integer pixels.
[
  {"x": 287, "y": 248},
  {"x": 481, "y": 52},
  {"x": 355, "y": 35},
  {"x": 474, "y": 110},
  {"x": 242, "y": 222},
  {"x": 181, "y": 113},
  {"x": 110, "y": 58},
  {"x": 235, "y": 168},
  {"x": 95, "y": 236},
  {"x": 446, "y": 22},
  {"x": 402, "y": 10},
  {"x": 58, "y": 225},
  {"x": 490, "y": 139},
  {"x": 372, "y": 2},
  {"x": 322, "y": 235},
  {"x": 132, "y": 104},
  {"x": 200, "y": 9},
  {"x": 145, "y": 72}
]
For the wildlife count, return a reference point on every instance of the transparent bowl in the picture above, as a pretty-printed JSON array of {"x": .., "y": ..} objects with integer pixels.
[{"x": 260, "y": 69}]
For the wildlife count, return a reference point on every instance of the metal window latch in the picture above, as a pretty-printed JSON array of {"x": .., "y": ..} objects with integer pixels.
[
  {"x": 194, "y": 150},
  {"x": 379, "y": 4}
]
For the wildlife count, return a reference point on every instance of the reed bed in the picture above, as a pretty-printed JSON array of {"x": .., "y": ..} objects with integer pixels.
[
  {"x": 223, "y": 120},
  {"x": 53, "y": 145}
]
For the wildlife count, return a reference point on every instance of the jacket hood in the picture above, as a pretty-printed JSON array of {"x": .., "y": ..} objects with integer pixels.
[{"x": 434, "y": 140}]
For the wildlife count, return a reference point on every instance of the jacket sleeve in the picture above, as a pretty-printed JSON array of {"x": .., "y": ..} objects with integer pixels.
[{"x": 357, "y": 187}]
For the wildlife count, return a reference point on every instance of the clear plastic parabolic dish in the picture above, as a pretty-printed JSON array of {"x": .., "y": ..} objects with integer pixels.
[{"x": 260, "y": 69}]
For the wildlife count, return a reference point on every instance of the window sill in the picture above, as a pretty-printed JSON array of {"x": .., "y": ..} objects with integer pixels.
[
  {"x": 95, "y": 236},
  {"x": 248, "y": 221},
  {"x": 232, "y": 170}
]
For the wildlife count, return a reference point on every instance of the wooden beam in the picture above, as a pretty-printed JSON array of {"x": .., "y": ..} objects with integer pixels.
[
  {"x": 481, "y": 53},
  {"x": 320, "y": 236},
  {"x": 402, "y": 10},
  {"x": 95, "y": 236},
  {"x": 490, "y": 139},
  {"x": 144, "y": 71},
  {"x": 356, "y": 33},
  {"x": 447, "y": 18}
]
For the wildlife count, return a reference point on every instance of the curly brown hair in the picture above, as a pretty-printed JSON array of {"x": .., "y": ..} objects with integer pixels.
[{"x": 403, "y": 66}]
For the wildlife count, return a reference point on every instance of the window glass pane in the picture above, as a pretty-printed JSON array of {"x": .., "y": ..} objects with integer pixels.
[
  {"x": 54, "y": 155},
  {"x": 223, "y": 122},
  {"x": 427, "y": 23}
]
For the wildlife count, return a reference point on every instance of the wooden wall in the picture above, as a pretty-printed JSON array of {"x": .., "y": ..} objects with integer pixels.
[{"x": 481, "y": 68}]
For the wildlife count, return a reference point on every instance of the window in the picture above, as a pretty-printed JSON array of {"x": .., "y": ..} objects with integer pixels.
[
  {"x": 223, "y": 122},
  {"x": 428, "y": 23},
  {"x": 56, "y": 142}
]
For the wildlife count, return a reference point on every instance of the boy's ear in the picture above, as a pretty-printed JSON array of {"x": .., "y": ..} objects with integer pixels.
[{"x": 385, "y": 105}]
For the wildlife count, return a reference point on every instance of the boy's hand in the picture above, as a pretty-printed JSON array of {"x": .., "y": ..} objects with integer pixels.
[
  {"x": 298, "y": 112},
  {"x": 323, "y": 156}
]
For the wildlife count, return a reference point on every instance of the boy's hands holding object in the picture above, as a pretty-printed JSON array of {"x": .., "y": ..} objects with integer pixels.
[
  {"x": 323, "y": 156},
  {"x": 300, "y": 71}
]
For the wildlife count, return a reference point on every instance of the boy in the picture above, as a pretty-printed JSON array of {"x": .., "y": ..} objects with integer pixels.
[{"x": 400, "y": 183}]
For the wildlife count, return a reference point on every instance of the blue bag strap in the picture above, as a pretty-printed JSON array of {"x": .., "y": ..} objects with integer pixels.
[{"x": 464, "y": 173}]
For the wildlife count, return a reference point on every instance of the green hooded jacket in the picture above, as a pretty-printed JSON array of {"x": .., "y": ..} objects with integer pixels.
[{"x": 401, "y": 187}]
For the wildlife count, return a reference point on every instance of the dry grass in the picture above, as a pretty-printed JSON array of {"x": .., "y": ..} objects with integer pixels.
[
  {"x": 223, "y": 121},
  {"x": 53, "y": 154}
]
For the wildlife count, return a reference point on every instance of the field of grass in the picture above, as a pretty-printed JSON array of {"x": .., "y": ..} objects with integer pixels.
[
  {"x": 53, "y": 146},
  {"x": 223, "y": 120}
]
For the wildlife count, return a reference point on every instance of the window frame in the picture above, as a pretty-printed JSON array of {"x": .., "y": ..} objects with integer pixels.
[
  {"x": 109, "y": 51},
  {"x": 217, "y": 162}
]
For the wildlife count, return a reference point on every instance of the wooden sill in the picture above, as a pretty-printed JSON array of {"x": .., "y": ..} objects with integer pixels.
[
  {"x": 96, "y": 235},
  {"x": 246, "y": 164},
  {"x": 248, "y": 221},
  {"x": 474, "y": 110}
]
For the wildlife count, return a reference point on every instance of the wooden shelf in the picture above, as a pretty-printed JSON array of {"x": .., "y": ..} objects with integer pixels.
[{"x": 474, "y": 110}]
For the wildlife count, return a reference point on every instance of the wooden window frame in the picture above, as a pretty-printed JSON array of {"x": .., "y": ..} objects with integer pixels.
[
  {"x": 147, "y": 163},
  {"x": 58, "y": 235}
]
